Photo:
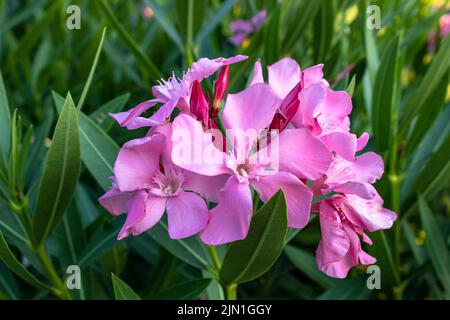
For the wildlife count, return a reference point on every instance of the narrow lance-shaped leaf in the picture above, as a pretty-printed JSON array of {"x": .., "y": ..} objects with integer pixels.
[
  {"x": 5, "y": 119},
  {"x": 91, "y": 72},
  {"x": 15, "y": 266},
  {"x": 252, "y": 257},
  {"x": 306, "y": 263},
  {"x": 60, "y": 173},
  {"x": 385, "y": 96},
  {"x": 122, "y": 291},
  {"x": 433, "y": 77},
  {"x": 435, "y": 242},
  {"x": 98, "y": 150}
]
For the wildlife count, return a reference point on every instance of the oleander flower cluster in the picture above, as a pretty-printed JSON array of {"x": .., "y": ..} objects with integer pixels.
[{"x": 210, "y": 157}]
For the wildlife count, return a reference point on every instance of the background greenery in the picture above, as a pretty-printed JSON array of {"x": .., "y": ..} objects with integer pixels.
[{"x": 400, "y": 96}]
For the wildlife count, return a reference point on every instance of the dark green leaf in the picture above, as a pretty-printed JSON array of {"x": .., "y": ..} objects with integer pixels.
[
  {"x": 385, "y": 96},
  {"x": 433, "y": 77},
  {"x": 5, "y": 120},
  {"x": 323, "y": 30},
  {"x": 87, "y": 85},
  {"x": 60, "y": 173},
  {"x": 122, "y": 291},
  {"x": 98, "y": 150},
  {"x": 435, "y": 242},
  {"x": 250, "y": 258},
  {"x": 308, "y": 11},
  {"x": 306, "y": 263},
  {"x": 15, "y": 266},
  {"x": 272, "y": 34},
  {"x": 101, "y": 115},
  {"x": 350, "y": 289},
  {"x": 185, "y": 291}
]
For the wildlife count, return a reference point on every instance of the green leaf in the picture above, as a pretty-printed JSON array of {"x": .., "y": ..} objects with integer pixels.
[
  {"x": 385, "y": 96},
  {"x": 135, "y": 49},
  {"x": 433, "y": 178},
  {"x": 101, "y": 115},
  {"x": 351, "y": 86},
  {"x": 214, "y": 21},
  {"x": 185, "y": 291},
  {"x": 61, "y": 173},
  {"x": 5, "y": 120},
  {"x": 190, "y": 250},
  {"x": 98, "y": 150},
  {"x": 350, "y": 289},
  {"x": 8, "y": 284},
  {"x": 100, "y": 243},
  {"x": 15, "y": 266},
  {"x": 435, "y": 242},
  {"x": 323, "y": 30},
  {"x": 250, "y": 258},
  {"x": 306, "y": 263},
  {"x": 308, "y": 11},
  {"x": 91, "y": 72},
  {"x": 433, "y": 77},
  {"x": 122, "y": 291},
  {"x": 166, "y": 23},
  {"x": 427, "y": 116},
  {"x": 272, "y": 34},
  {"x": 381, "y": 249}
]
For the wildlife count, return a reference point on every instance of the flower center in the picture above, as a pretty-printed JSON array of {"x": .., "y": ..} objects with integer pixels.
[{"x": 168, "y": 183}]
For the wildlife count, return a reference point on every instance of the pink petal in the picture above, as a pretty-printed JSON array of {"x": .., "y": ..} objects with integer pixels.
[
  {"x": 252, "y": 108},
  {"x": 310, "y": 100},
  {"x": 368, "y": 167},
  {"x": 205, "y": 67},
  {"x": 283, "y": 76},
  {"x": 187, "y": 215},
  {"x": 208, "y": 186},
  {"x": 154, "y": 209},
  {"x": 115, "y": 201},
  {"x": 362, "y": 141},
  {"x": 124, "y": 118},
  {"x": 335, "y": 242},
  {"x": 137, "y": 161},
  {"x": 312, "y": 75},
  {"x": 230, "y": 220},
  {"x": 302, "y": 154},
  {"x": 361, "y": 189},
  {"x": 368, "y": 214},
  {"x": 337, "y": 103},
  {"x": 298, "y": 196},
  {"x": 136, "y": 211},
  {"x": 193, "y": 149},
  {"x": 343, "y": 143},
  {"x": 257, "y": 74}
]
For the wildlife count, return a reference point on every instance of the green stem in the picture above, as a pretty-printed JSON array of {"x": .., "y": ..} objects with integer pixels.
[
  {"x": 61, "y": 290},
  {"x": 190, "y": 31},
  {"x": 231, "y": 292},
  {"x": 215, "y": 257}
]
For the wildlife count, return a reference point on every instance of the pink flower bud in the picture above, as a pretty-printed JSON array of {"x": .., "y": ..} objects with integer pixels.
[
  {"x": 198, "y": 104},
  {"x": 220, "y": 87}
]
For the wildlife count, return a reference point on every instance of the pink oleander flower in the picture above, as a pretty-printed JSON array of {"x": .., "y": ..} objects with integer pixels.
[
  {"x": 356, "y": 208},
  {"x": 254, "y": 109},
  {"x": 172, "y": 93},
  {"x": 342, "y": 219},
  {"x": 241, "y": 29},
  {"x": 309, "y": 102},
  {"x": 146, "y": 184}
]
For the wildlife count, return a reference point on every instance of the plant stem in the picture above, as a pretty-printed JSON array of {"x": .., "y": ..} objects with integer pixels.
[
  {"x": 215, "y": 257},
  {"x": 231, "y": 292},
  {"x": 190, "y": 30},
  {"x": 61, "y": 290}
]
